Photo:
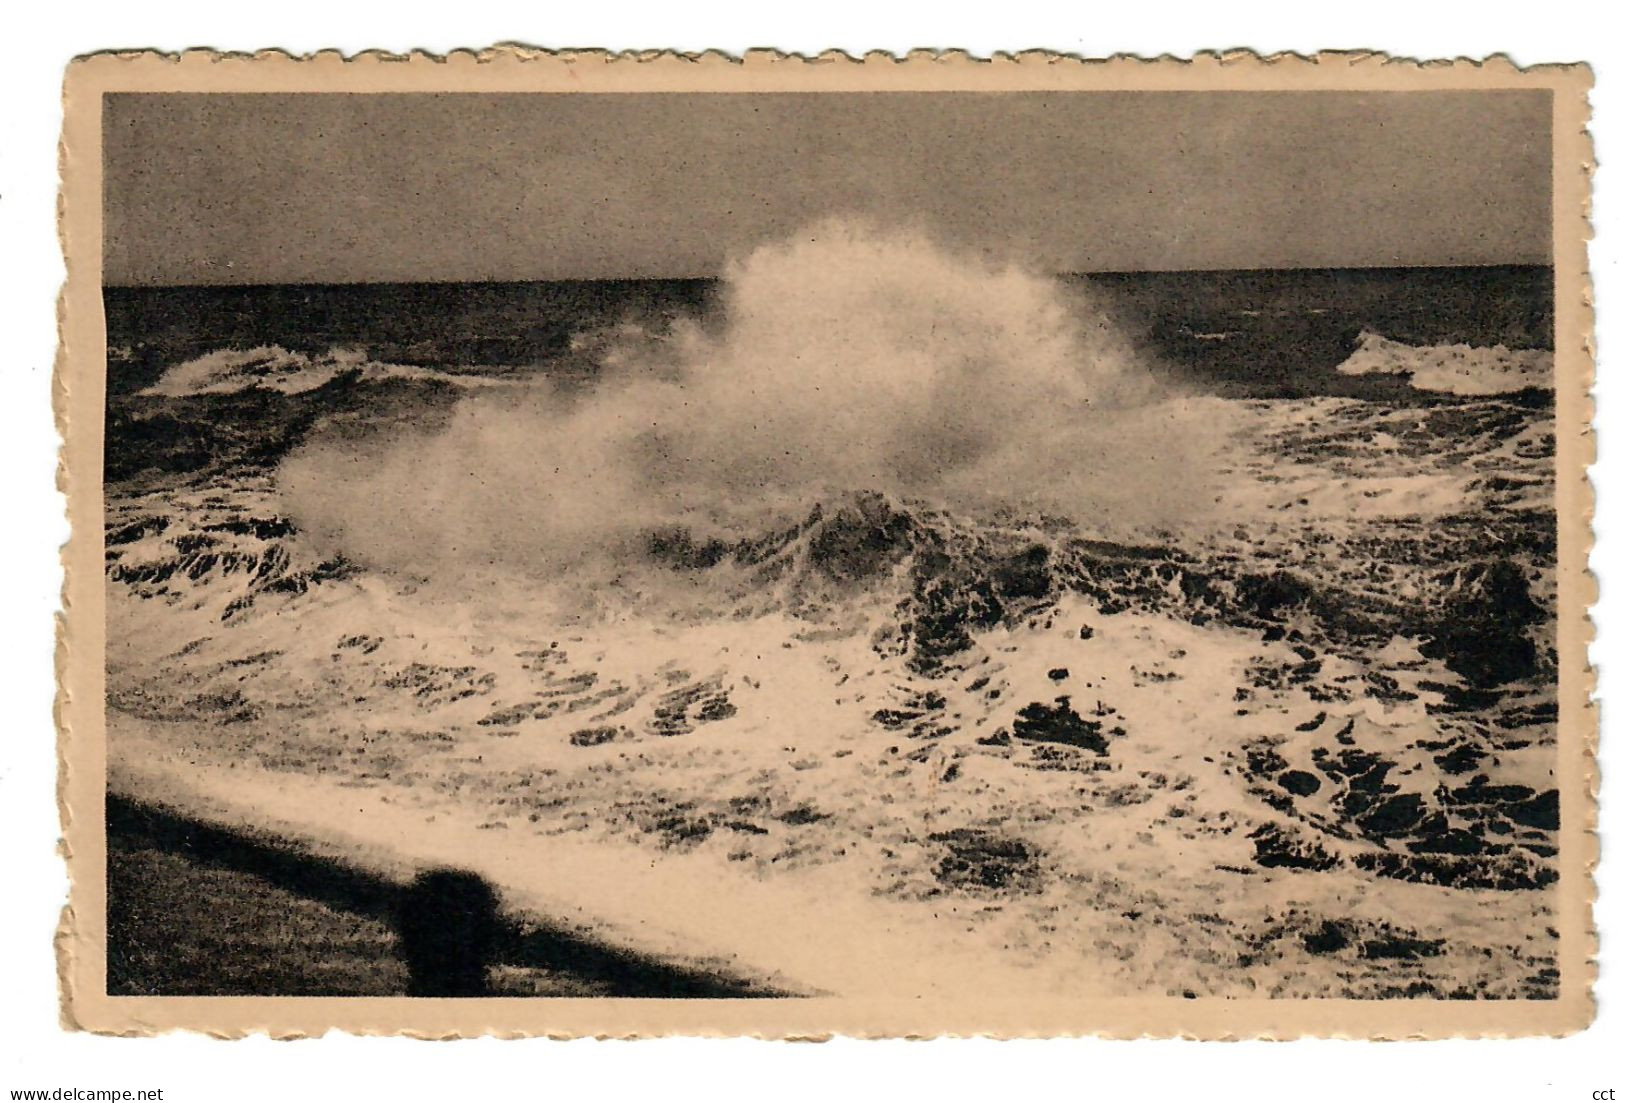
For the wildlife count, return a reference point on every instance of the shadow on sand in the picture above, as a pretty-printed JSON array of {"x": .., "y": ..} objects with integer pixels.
[{"x": 449, "y": 930}]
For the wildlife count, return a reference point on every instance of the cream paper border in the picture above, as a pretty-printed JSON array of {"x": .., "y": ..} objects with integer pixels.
[{"x": 80, "y": 399}]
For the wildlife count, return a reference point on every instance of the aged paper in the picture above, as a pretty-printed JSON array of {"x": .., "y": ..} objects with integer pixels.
[{"x": 584, "y": 545}]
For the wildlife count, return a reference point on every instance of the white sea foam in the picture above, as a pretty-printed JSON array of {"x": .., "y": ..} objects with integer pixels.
[{"x": 1452, "y": 369}]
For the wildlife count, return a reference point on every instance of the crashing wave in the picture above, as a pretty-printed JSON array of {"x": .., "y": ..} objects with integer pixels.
[
  {"x": 1452, "y": 369},
  {"x": 273, "y": 368},
  {"x": 846, "y": 357}
]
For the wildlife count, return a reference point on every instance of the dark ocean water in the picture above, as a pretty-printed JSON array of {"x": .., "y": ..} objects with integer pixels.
[{"x": 1263, "y": 334}]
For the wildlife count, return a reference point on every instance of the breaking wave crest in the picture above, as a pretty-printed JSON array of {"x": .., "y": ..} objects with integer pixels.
[
  {"x": 274, "y": 368},
  {"x": 846, "y": 359},
  {"x": 1453, "y": 369}
]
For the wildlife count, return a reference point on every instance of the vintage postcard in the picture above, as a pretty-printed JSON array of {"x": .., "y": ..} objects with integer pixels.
[{"x": 574, "y": 544}]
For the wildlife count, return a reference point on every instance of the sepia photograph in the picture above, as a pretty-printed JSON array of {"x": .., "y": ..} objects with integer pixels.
[{"x": 853, "y": 554}]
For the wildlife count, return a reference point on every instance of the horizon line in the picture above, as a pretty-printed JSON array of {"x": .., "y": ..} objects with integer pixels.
[{"x": 106, "y": 286}]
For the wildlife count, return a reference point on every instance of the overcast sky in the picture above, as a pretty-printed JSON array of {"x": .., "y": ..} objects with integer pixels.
[{"x": 208, "y": 188}]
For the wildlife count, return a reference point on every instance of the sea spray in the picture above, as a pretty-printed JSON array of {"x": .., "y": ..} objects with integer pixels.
[{"x": 848, "y": 358}]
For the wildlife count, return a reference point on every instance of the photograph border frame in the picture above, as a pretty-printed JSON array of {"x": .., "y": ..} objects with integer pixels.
[{"x": 79, "y": 394}]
